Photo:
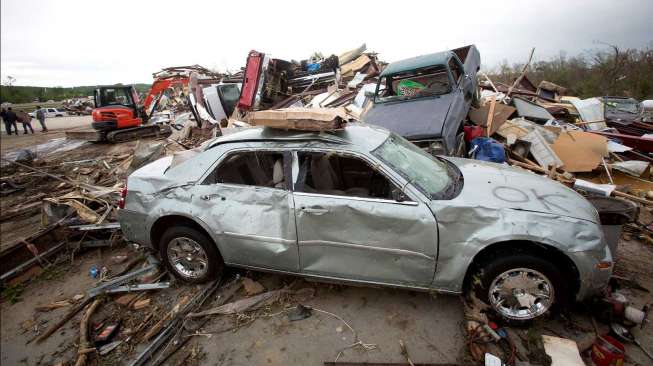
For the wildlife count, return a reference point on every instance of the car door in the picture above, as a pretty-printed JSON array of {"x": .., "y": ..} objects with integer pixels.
[
  {"x": 51, "y": 112},
  {"x": 347, "y": 233},
  {"x": 247, "y": 204}
]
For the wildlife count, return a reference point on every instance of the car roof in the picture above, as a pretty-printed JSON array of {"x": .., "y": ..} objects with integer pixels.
[
  {"x": 365, "y": 136},
  {"x": 418, "y": 62}
]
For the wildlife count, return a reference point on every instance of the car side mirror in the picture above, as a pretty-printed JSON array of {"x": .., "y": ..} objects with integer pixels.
[{"x": 398, "y": 195}]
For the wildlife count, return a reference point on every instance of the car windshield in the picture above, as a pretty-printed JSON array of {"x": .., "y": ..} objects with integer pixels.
[
  {"x": 413, "y": 84},
  {"x": 628, "y": 106},
  {"x": 425, "y": 171}
]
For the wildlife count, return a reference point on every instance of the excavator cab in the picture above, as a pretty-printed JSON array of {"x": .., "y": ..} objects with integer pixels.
[{"x": 116, "y": 107}]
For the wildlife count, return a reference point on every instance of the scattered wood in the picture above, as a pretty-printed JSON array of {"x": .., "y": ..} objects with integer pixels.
[
  {"x": 125, "y": 300},
  {"x": 252, "y": 287},
  {"x": 490, "y": 118},
  {"x": 141, "y": 304},
  {"x": 247, "y": 304},
  {"x": 84, "y": 342},
  {"x": 156, "y": 328},
  {"x": 63, "y": 320}
]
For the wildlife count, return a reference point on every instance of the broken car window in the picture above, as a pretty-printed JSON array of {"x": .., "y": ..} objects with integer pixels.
[
  {"x": 425, "y": 171},
  {"x": 415, "y": 84},
  {"x": 258, "y": 168},
  {"x": 340, "y": 175}
]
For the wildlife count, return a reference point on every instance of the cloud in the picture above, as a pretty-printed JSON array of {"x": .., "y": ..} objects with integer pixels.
[{"x": 66, "y": 43}]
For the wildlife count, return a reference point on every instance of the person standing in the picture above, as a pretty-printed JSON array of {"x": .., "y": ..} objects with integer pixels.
[
  {"x": 10, "y": 120},
  {"x": 26, "y": 120},
  {"x": 3, "y": 113},
  {"x": 40, "y": 115}
]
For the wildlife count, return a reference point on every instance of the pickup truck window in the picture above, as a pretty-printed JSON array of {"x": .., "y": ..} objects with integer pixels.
[
  {"x": 427, "y": 173},
  {"x": 425, "y": 82}
]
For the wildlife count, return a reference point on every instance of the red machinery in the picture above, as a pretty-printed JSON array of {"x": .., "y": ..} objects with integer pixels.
[{"x": 118, "y": 117}]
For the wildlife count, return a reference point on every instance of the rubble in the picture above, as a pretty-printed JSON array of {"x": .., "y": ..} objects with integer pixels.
[{"x": 75, "y": 193}]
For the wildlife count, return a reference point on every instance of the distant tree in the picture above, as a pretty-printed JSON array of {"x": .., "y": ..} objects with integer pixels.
[{"x": 608, "y": 71}]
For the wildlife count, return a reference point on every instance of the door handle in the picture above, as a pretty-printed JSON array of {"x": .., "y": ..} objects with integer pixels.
[
  {"x": 208, "y": 197},
  {"x": 317, "y": 210}
]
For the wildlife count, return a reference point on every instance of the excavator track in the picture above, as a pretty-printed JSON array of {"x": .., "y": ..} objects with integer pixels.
[{"x": 130, "y": 134}]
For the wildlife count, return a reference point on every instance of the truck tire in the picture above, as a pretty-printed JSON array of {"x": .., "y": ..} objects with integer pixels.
[
  {"x": 190, "y": 255},
  {"x": 520, "y": 286}
]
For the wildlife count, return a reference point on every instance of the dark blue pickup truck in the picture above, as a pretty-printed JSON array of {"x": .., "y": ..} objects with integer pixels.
[{"x": 426, "y": 99}]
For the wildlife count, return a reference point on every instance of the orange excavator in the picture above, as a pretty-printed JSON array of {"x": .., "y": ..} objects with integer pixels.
[{"x": 118, "y": 115}]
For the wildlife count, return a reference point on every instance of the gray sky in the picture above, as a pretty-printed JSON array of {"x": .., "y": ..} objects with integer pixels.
[{"x": 68, "y": 43}]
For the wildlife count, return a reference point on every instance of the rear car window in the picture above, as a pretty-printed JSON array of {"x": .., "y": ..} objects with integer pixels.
[{"x": 251, "y": 168}]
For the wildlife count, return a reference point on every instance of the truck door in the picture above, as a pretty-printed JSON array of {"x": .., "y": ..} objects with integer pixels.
[{"x": 250, "y": 81}]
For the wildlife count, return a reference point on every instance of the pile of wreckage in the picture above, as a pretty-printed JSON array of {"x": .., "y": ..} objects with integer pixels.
[
  {"x": 586, "y": 144},
  {"x": 82, "y": 106}
]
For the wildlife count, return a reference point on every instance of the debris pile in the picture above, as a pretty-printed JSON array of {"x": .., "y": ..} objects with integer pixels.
[
  {"x": 61, "y": 199},
  {"x": 598, "y": 146},
  {"x": 601, "y": 147},
  {"x": 79, "y": 106}
]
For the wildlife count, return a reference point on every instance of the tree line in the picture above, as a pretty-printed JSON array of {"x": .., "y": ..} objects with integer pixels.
[
  {"x": 29, "y": 94},
  {"x": 609, "y": 71}
]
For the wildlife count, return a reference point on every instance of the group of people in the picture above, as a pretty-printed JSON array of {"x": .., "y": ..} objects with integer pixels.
[{"x": 9, "y": 117}]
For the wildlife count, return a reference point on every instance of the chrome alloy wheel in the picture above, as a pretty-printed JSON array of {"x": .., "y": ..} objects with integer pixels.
[
  {"x": 187, "y": 257},
  {"x": 521, "y": 294}
]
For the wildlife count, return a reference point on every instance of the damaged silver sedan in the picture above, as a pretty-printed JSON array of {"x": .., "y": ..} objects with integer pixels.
[{"x": 363, "y": 205}]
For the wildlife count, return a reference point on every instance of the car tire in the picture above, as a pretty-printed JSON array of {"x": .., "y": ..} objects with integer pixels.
[
  {"x": 520, "y": 286},
  {"x": 190, "y": 255}
]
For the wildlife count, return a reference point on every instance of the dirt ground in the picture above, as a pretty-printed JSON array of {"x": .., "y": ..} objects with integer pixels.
[
  {"x": 432, "y": 326},
  {"x": 429, "y": 325},
  {"x": 56, "y": 129}
]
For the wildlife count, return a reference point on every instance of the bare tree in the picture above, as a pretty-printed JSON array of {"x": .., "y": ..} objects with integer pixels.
[{"x": 10, "y": 80}]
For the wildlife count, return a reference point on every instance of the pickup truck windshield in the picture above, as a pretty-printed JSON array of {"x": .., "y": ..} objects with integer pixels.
[
  {"x": 425, "y": 82},
  {"x": 426, "y": 172}
]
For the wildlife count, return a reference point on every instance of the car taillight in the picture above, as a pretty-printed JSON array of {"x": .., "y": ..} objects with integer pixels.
[{"x": 123, "y": 194}]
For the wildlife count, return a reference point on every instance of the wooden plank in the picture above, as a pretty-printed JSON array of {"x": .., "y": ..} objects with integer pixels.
[{"x": 490, "y": 117}]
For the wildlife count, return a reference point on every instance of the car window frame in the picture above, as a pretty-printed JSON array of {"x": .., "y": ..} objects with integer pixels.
[
  {"x": 378, "y": 166},
  {"x": 287, "y": 167}
]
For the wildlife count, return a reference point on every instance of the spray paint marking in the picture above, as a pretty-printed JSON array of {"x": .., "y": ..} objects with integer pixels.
[{"x": 516, "y": 195}]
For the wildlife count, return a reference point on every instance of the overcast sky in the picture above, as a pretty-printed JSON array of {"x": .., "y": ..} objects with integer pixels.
[{"x": 68, "y": 43}]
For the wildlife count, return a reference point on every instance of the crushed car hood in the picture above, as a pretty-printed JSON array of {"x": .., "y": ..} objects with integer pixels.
[
  {"x": 412, "y": 119},
  {"x": 499, "y": 186}
]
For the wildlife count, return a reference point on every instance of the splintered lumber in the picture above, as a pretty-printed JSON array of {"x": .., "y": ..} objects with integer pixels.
[
  {"x": 225, "y": 296},
  {"x": 20, "y": 210},
  {"x": 490, "y": 116},
  {"x": 63, "y": 320},
  {"x": 84, "y": 344},
  {"x": 169, "y": 316},
  {"x": 632, "y": 198},
  {"x": 246, "y": 304}
]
